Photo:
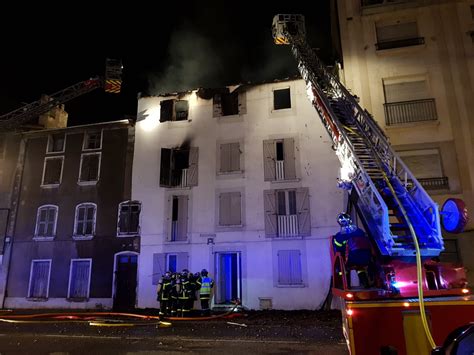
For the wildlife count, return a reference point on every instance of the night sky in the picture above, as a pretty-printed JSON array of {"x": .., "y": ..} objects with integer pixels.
[{"x": 164, "y": 48}]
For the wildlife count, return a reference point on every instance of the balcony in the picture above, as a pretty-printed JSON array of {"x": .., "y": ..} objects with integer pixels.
[
  {"x": 438, "y": 183},
  {"x": 280, "y": 170},
  {"x": 288, "y": 225},
  {"x": 399, "y": 113},
  {"x": 406, "y": 42}
]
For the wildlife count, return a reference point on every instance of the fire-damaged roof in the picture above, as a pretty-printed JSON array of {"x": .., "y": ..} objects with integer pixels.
[{"x": 208, "y": 93}]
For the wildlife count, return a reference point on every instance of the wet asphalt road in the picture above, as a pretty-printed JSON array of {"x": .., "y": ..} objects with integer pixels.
[{"x": 303, "y": 332}]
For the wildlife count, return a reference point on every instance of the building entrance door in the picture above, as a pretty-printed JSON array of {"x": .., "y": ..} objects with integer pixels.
[
  {"x": 125, "y": 281},
  {"x": 228, "y": 278}
]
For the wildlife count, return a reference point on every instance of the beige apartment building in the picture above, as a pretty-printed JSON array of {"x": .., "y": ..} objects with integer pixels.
[{"x": 411, "y": 63}]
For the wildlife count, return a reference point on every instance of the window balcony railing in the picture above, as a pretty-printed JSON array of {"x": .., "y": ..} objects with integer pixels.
[
  {"x": 174, "y": 231},
  {"x": 407, "y": 42},
  {"x": 180, "y": 178},
  {"x": 280, "y": 170},
  {"x": 410, "y": 111},
  {"x": 288, "y": 225},
  {"x": 437, "y": 183}
]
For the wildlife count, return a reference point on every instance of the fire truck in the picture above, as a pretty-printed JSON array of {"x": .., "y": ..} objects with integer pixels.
[
  {"x": 414, "y": 304},
  {"x": 111, "y": 83}
]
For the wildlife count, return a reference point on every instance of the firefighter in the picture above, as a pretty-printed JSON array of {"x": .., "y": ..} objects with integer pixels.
[
  {"x": 183, "y": 294},
  {"x": 193, "y": 286},
  {"x": 164, "y": 294},
  {"x": 205, "y": 284},
  {"x": 175, "y": 286}
]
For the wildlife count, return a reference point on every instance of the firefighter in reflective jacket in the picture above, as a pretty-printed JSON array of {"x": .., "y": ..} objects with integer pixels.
[
  {"x": 205, "y": 284},
  {"x": 164, "y": 294},
  {"x": 183, "y": 294}
]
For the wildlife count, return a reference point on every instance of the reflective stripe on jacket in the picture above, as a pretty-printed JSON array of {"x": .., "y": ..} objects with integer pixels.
[{"x": 206, "y": 285}]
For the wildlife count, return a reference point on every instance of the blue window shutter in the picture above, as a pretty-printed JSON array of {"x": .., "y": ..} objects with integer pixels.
[
  {"x": 295, "y": 267},
  {"x": 284, "y": 267}
]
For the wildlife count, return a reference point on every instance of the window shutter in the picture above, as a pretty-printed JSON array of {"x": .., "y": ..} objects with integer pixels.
[
  {"x": 39, "y": 279},
  {"x": 225, "y": 158},
  {"x": 182, "y": 262},
  {"x": 242, "y": 103},
  {"x": 79, "y": 279},
  {"x": 124, "y": 221},
  {"x": 217, "y": 106},
  {"x": 406, "y": 91},
  {"x": 295, "y": 267},
  {"x": 269, "y": 160},
  {"x": 134, "y": 218},
  {"x": 166, "y": 110},
  {"x": 182, "y": 217},
  {"x": 304, "y": 218},
  {"x": 159, "y": 267},
  {"x": 234, "y": 156},
  {"x": 169, "y": 218},
  {"x": 270, "y": 213},
  {"x": 224, "y": 209},
  {"x": 397, "y": 32},
  {"x": 165, "y": 167},
  {"x": 193, "y": 166},
  {"x": 235, "y": 208},
  {"x": 284, "y": 277},
  {"x": 289, "y": 156}
]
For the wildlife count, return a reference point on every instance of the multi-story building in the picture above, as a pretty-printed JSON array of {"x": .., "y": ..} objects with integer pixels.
[
  {"x": 72, "y": 236},
  {"x": 241, "y": 181},
  {"x": 411, "y": 62}
]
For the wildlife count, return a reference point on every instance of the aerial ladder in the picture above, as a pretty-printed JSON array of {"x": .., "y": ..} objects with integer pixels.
[
  {"x": 400, "y": 218},
  {"x": 111, "y": 83}
]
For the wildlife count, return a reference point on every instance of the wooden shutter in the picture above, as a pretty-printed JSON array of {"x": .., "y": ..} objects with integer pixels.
[
  {"x": 224, "y": 209},
  {"x": 242, "y": 102},
  {"x": 284, "y": 276},
  {"x": 270, "y": 213},
  {"x": 225, "y": 158},
  {"x": 269, "y": 155},
  {"x": 234, "y": 156},
  {"x": 406, "y": 91},
  {"x": 230, "y": 213},
  {"x": 217, "y": 105},
  {"x": 193, "y": 166},
  {"x": 304, "y": 217},
  {"x": 235, "y": 208},
  {"x": 165, "y": 167},
  {"x": 295, "y": 267},
  {"x": 79, "y": 283},
  {"x": 182, "y": 217},
  {"x": 289, "y": 157},
  {"x": 166, "y": 110},
  {"x": 39, "y": 279},
  {"x": 159, "y": 267},
  {"x": 397, "y": 32},
  {"x": 182, "y": 261}
]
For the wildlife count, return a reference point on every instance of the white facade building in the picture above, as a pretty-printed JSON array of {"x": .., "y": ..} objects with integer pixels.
[{"x": 241, "y": 182}]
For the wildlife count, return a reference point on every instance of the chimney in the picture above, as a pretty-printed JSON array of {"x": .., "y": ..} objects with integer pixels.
[{"x": 54, "y": 118}]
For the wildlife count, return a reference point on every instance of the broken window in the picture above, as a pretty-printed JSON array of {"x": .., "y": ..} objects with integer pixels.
[
  {"x": 90, "y": 168},
  {"x": 79, "y": 278},
  {"x": 56, "y": 143},
  {"x": 179, "y": 167},
  {"x": 52, "y": 172},
  {"x": 281, "y": 99},
  {"x": 229, "y": 103},
  {"x": 179, "y": 218},
  {"x": 174, "y": 110},
  {"x": 84, "y": 225},
  {"x": 92, "y": 140},
  {"x": 46, "y": 221},
  {"x": 129, "y": 218},
  {"x": 230, "y": 157},
  {"x": 279, "y": 159},
  {"x": 289, "y": 267},
  {"x": 39, "y": 279},
  {"x": 230, "y": 209}
]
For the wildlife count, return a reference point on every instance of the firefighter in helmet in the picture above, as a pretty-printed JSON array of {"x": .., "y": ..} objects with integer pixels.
[
  {"x": 205, "y": 284},
  {"x": 164, "y": 294}
]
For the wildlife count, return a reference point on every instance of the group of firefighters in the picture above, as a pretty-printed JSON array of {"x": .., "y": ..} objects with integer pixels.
[{"x": 177, "y": 292}]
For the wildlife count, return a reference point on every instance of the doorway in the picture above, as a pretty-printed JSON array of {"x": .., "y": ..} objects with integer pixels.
[
  {"x": 125, "y": 281},
  {"x": 228, "y": 278}
]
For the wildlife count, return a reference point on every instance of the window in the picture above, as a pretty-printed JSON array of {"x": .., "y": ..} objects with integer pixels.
[
  {"x": 174, "y": 110},
  {"x": 398, "y": 35},
  {"x": 79, "y": 279},
  {"x": 129, "y": 218},
  {"x": 289, "y": 268},
  {"x": 162, "y": 262},
  {"x": 56, "y": 143},
  {"x": 229, "y": 103},
  {"x": 230, "y": 211},
  {"x": 85, "y": 220},
  {"x": 39, "y": 279},
  {"x": 279, "y": 159},
  {"x": 179, "y": 167},
  {"x": 287, "y": 213},
  {"x": 229, "y": 157},
  {"x": 46, "y": 219},
  {"x": 52, "y": 171},
  {"x": 92, "y": 140},
  {"x": 178, "y": 228},
  {"x": 281, "y": 99},
  {"x": 89, "y": 170}
]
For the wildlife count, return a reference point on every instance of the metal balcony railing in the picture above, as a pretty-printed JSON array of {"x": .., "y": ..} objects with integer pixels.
[
  {"x": 288, "y": 225},
  {"x": 410, "y": 111},
  {"x": 280, "y": 170},
  {"x": 399, "y": 43},
  {"x": 437, "y": 183}
]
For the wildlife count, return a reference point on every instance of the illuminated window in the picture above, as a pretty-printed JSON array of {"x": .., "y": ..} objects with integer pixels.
[
  {"x": 46, "y": 219},
  {"x": 38, "y": 287},
  {"x": 89, "y": 169},
  {"x": 289, "y": 268},
  {"x": 79, "y": 279},
  {"x": 281, "y": 99},
  {"x": 56, "y": 143},
  {"x": 129, "y": 218},
  {"x": 84, "y": 226},
  {"x": 92, "y": 140},
  {"x": 52, "y": 171}
]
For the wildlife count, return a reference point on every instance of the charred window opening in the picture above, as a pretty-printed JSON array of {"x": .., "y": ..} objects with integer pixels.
[
  {"x": 230, "y": 104},
  {"x": 227, "y": 103},
  {"x": 174, "y": 214},
  {"x": 174, "y": 110},
  {"x": 178, "y": 167},
  {"x": 279, "y": 151},
  {"x": 52, "y": 171},
  {"x": 281, "y": 99}
]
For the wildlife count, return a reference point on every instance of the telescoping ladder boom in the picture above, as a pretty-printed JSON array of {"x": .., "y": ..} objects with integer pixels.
[{"x": 367, "y": 159}]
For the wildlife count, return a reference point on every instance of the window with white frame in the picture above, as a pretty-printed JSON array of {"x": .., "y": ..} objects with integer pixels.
[
  {"x": 52, "y": 171},
  {"x": 56, "y": 143},
  {"x": 230, "y": 210},
  {"x": 92, "y": 140},
  {"x": 84, "y": 225},
  {"x": 39, "y": 279},
  {"x": 229, "y": 157},
  {"x": 46, "y": 220},
  {"x": 289, "y": 268},
  {"x": 89, "y": 168},
  {"x": 129, "y": 218},
  {"x": 79, "y": 279}
]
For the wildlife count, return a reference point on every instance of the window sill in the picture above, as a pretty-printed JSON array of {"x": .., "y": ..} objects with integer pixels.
[
  {"x": 177, "y": 241},
  {"x": 87, "y": 183},
  {"x": 35, "y": 299},
  {"x": 174, "y": 188},
  {"x": 49, "y": 186},
  {"x": 433, "y": 123},
  {"x": 43, "y": 239},
  {"x": 91, "y": 149},
  {"x": 129, "y": 235},
  {"x": 85, "y": 299},
  {"x": 291, "y": 286},
  {"x": 52, "y": 153},
  {"x": 231, "y": 118},
  {"x": 236, "y": 173},
  {"x": 283, "y": 181},
  {"x": 177, "y": 124},
  {"x": 81, "y": 237},
  {"x": 399, "y": 50}
]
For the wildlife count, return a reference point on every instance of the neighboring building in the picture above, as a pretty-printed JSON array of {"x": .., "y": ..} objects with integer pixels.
[
  {"x": 74, "y": 233},
  {"x": 412, "y": 65},
  {"x": 241, "y": 181}
]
